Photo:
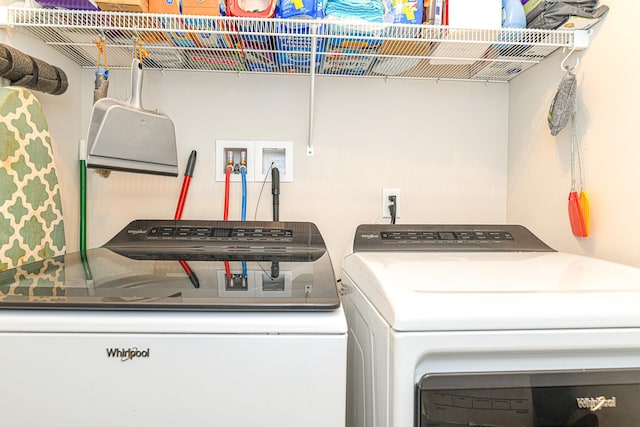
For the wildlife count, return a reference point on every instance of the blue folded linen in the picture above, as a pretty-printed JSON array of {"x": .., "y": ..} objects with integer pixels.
[{"x": 367, "y": 10}]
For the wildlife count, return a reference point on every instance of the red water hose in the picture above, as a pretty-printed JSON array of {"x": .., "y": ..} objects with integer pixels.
[{"x": 227, "y": 181}]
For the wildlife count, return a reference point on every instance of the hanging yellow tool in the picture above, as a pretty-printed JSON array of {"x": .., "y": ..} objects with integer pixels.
[
  {"x": 563, "y": 108},
  {"x": 138, "y": 49},
  {"x": 579, "y": 209}
]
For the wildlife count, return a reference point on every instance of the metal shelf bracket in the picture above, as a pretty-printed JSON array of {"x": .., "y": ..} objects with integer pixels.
[
  {"x": 312, "y": 85},
  {"x": 582, "y": 39},
  {"x": 4, "y": 17}
]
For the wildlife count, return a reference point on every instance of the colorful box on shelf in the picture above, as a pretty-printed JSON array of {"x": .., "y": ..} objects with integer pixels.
[
  {"x": 404, "y": 11},
  {"x": 208, "y": 33},
  {"x": 202, "y": 32},
  {"x": 498, "y": 66},
  {"x": 296, "y": 9},
  {"x": 68, "y": 4},
  {"x": 204, "y": 59},
  {"x": 353, "y": 35},
  {"x": 350, "y": 47},
  {"x": 177, "y": 38},
  {"x": 339, "y": 60},
  {"x": 397, "y": 57},
  {"x": 186, "y": 7},
  {"x": 295, "y": 45},
  {"x": 257, "y": 46},
  {"x": 259, "y": 55},
  {"x": 124, "y": 5},
  {"x": 297, "y": 62},
  {"x": 251, "y": 8},
  {"x": 164, "y": 59},
  {"x": 295, "y": 41},
  {"x": 498, "y": 71}
]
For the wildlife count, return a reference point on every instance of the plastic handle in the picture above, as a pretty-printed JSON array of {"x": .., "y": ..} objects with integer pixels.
[
  {"x": 191, "y": 164},
  {"x": 275, "y": 181},
  {"x": 136, "y": 84},
  {"x": 586, "y": 211},
  {"x": 576, "y": 218}
]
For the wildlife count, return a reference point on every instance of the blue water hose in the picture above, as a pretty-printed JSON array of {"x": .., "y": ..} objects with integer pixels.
[{"x": 243, "y": 172}]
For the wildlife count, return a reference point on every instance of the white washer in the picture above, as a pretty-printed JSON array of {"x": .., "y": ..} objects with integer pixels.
[
  {"x": 123, "y": 337},
  {"x": 476, "y": 325}
]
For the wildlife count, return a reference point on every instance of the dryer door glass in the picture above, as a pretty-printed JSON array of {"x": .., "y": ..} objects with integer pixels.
[{"x": 598, "y": 398}]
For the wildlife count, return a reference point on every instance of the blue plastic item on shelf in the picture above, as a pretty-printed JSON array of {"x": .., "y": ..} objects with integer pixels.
[
  {"x": 295, "y": 8},
  {"x": 513, "y": 15},
  {"x": 295, "y": 46}
]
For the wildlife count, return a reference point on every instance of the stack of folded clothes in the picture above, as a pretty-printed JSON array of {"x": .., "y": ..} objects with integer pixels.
[{"x": 367, "y": 10}]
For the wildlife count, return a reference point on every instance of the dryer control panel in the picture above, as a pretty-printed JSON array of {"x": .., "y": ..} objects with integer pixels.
[{"x": 446, "y": 238}]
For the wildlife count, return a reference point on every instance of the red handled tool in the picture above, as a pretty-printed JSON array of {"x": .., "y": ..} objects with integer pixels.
[{"x": 191, "y": 164}]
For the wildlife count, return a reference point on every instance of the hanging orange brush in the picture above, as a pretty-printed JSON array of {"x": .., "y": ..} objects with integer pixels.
[{"x": 579, "y": 209}]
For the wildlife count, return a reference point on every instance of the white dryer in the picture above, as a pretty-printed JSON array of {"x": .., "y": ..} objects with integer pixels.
[
  {"x": 474, "y": 325},
  {"x": 190, "y": 323}
]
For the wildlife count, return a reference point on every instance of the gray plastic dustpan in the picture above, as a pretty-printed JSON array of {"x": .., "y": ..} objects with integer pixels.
[{"x": 124, "y": 136}]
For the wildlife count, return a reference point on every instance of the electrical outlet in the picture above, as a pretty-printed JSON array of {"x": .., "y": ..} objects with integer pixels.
[
  {"x": 280, "y": 286},
  {"x": 386, "y": 193}
]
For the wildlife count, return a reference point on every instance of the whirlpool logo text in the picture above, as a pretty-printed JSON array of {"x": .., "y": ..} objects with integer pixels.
[
  {"x": 596, "y": 403},
  {"x": 125, "y": 354}
]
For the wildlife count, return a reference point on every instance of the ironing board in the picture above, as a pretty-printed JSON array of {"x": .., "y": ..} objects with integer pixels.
[{"x": 31, "y": 224}]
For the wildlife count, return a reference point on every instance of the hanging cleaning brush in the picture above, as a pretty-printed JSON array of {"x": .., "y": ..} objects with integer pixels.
[
  {"x": 102, "y": 71},
  {"x": 579, "y": 209},
  {"x": 101, "y": 86}
]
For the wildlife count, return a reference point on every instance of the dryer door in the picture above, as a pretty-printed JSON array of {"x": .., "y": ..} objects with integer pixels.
[{"x": 591, "y": 398}]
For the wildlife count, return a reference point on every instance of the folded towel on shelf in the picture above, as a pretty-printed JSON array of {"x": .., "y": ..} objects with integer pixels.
[{"x": 367, "y": 10}]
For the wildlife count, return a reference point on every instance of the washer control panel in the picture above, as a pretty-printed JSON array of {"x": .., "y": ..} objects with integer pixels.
[{"x": 204, "y": 232}]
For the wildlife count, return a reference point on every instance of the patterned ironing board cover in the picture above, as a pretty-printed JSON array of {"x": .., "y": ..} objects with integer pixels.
[{"x": 31, "y": 225}]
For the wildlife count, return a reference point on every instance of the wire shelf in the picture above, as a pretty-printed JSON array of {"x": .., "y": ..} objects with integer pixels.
[{"x": 308, "y": 47}]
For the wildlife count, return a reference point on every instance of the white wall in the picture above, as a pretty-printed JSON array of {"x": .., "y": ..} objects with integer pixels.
[
  {"x": 449, "y": 158},
  {"x": 442, "y": 144},
  {"x": 608, "y": 107}
]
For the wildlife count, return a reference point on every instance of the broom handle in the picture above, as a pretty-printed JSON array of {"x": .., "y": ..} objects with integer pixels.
[{"x": 136, "y": 84}]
